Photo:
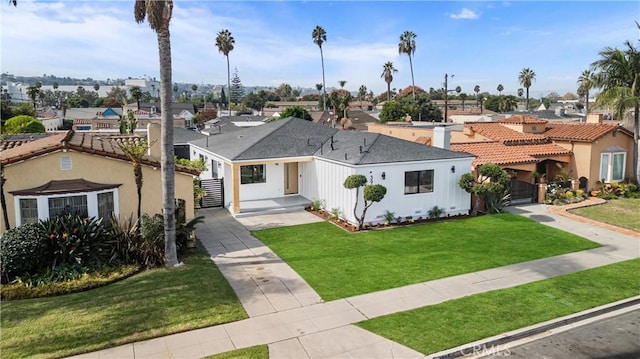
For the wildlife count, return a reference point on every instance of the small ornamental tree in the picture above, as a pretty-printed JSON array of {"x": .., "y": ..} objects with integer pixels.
[
  {"x": 372, "y": 193},
  {"x": 491, "y": 184}
]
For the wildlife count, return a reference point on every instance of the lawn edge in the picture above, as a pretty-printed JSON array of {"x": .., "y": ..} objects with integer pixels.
[{"x": 540, "y": 330}]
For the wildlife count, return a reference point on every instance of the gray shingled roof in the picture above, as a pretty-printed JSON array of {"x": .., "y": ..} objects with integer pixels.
[
  {"x": 289, "y": 137},
  {"x": 364, "y": 148},
  {"x": 184, "y": 136},
  {"x": 292, "y": 137}
]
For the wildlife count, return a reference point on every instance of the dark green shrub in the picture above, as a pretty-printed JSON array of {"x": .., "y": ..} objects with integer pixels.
[
  {"x": 435, "y": 212},
  {"x": 74, "y": 239},
  {"x": 24, "y": 249}
]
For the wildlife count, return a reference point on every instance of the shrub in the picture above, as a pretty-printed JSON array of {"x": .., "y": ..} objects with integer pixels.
[
  {"x": 317, "y": 205},
  {"x": 579, "y": 193},
  {"x": 74, "y": 239},
  {"x": 24, "y": 249},
  {"x": 435, "y": 212},
  {"x": 568, "y": 194},
  {"x": 389, "y": 217}
]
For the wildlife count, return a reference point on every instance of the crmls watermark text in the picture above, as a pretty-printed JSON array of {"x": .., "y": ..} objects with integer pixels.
[{"x": 495, "y": 350}]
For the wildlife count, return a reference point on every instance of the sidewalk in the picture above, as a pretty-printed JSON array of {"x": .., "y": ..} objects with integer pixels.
[{"x": 289, "y": 316}]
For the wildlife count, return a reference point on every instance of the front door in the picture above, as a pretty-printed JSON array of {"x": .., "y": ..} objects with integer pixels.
[{"x": 291, "y": 178}]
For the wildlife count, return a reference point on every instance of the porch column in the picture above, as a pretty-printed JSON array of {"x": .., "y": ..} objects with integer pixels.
[
  {"x": 542, "y": 192},
  {"x": 235, "y": 188}
]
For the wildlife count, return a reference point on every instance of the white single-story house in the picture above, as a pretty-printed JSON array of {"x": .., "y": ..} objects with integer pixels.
[{"x": 294, "y": 157}]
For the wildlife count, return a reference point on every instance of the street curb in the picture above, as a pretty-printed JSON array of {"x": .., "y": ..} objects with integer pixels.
[{"x": 502, "y": 339}]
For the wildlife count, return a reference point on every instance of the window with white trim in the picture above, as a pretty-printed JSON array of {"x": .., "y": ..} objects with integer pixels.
[
  {"x": 418, "y": 182},
  {"x": 29, "y": 210},
  {"x": 612, "y": 166},
  {"x": 105, "y": 206},
  {"x": 252, "y": 174},
  {"x": 68, "y": 205}
]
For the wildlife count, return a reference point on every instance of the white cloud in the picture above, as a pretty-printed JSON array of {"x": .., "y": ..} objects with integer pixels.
[{"x": 465, "y": 14}]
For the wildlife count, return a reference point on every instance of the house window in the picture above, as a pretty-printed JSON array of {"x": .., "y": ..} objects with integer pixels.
[
  {"x": 418, "y": 182},
  {"x": 105, "y": 206},
  {"x": 29, "y": 210},
  {"x": 68, "y": 205},
  {"x": 252, "y": 174},
  {"x": 214, "y": 169},
  {"x": 612, "y": 166}
]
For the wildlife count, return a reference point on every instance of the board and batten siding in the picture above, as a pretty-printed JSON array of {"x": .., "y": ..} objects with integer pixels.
[{"x": 447, "y": 195}]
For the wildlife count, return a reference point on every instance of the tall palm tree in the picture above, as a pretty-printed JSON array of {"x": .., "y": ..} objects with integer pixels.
[
  {"x": 362, "y": 92},
  {"x": 476, "y": 89},
  {"x": 585, "y": 83},
  {"x": 225, "y": 42},
  {"x": 158, "y": 15},
  {"x": 526, "y": 77},
  {"x": 32, "y": 92},
  {"x": 387, "y": 73},
  {"x": 407, "y": 45},
  {"x": 136, "y": 94},
  {"x": 319, "y": 36},
  {"x": 618, "y": 74},
  {"x": 135, "y": 152},
  {"x": 342, "y": 83},
  {"x": 463, "y": 97},
  {"x": 500, "y": 88}
]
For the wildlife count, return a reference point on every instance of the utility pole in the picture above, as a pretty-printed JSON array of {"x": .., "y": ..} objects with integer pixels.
[{"x": 446, "y": 96}]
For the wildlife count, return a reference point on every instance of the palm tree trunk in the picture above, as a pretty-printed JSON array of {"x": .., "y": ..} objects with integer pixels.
[
  {"x": 636, "y": 148},
  {"x": 587, "y": 103},
  {"x": 413, "y": 84},
  {"x": 527, "y": 98},
  {"x": 166, "y": 142},
  {"x": 388, "y": 91},
  {"x": 324, "y": 87},
  {"x": 228, "y": 87},
  {"x": 3, "y": 200}
]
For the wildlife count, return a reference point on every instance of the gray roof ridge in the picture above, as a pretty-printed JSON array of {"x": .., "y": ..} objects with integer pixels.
[
  {"x": 283, "y": 122},
  {"x": 365, "y": 151}
]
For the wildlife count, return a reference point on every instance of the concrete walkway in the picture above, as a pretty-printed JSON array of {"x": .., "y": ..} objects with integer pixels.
[{"x": 289, "y": 316}]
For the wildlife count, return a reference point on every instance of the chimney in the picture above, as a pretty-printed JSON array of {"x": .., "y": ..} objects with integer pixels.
[
  {"x": 442, "y": 137},
  {"x": 595, "y": 118},
  {"x": 153, "y": 136}
]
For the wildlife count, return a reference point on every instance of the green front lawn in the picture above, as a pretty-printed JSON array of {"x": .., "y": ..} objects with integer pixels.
[
  {"x": 150, "y": 304},
  {"x": 621, "y": 212},
  {"x": 257, "y": 352},
  {"x": 447, "y": 325},
  {"x": 338, "y": 264}
]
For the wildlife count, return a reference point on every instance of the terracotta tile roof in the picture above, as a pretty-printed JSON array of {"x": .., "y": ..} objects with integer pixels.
[
  {"x": 497, "y": 132},
  {"x": 105, "y": 145},
  {"x": 501, "y": 154},
  {"x": 582, "y": 132},
  {"x": 519, "y": 119},
  {"x": 424, "y": 140},
  {"x": 11, "y": 141}
]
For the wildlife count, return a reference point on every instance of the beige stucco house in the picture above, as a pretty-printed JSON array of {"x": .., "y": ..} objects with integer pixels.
[
  {"x": 87, "y": 172},
  {"x": 594, "y": 150}
]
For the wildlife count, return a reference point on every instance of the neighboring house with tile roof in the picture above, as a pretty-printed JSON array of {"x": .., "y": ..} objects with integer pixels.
[
  {"x": 294, "y": 157},
  {"x": 87, "y": 172},
  {"x": 523, "y": 145}
]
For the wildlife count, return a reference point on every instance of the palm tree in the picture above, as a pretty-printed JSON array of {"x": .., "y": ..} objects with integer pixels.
[
  {"x": 520, "y": 92},
  {"x": 32, "y": 92},
  {"x": 362, "y": 92},
  {"x": 525, "y": 78},
  {"x": 387, "y": 73},
  {"x": 585, "y": 83},
  {"x": 342, "y": 83},
  {"x": 463, "y": 97},
  {"x": 476, "y": 89},
  {"x": 158, "y": 15},
  {"x": 194, "y": 88},
  {"x": 500, "y": 88},
  {"x": 225, "y": 42},
  {"x": 407, "y": 45},
  {"x": 507, "y": 103},
  {"x": 136, "y": 94},
  {"x": 319, "y": 36},
  {"x": 135, "y": 152},
  {"x": 618, "y": 74}
]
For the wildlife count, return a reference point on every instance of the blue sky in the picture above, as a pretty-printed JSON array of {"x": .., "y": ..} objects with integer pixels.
[{"x": 482, "y": 43}]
